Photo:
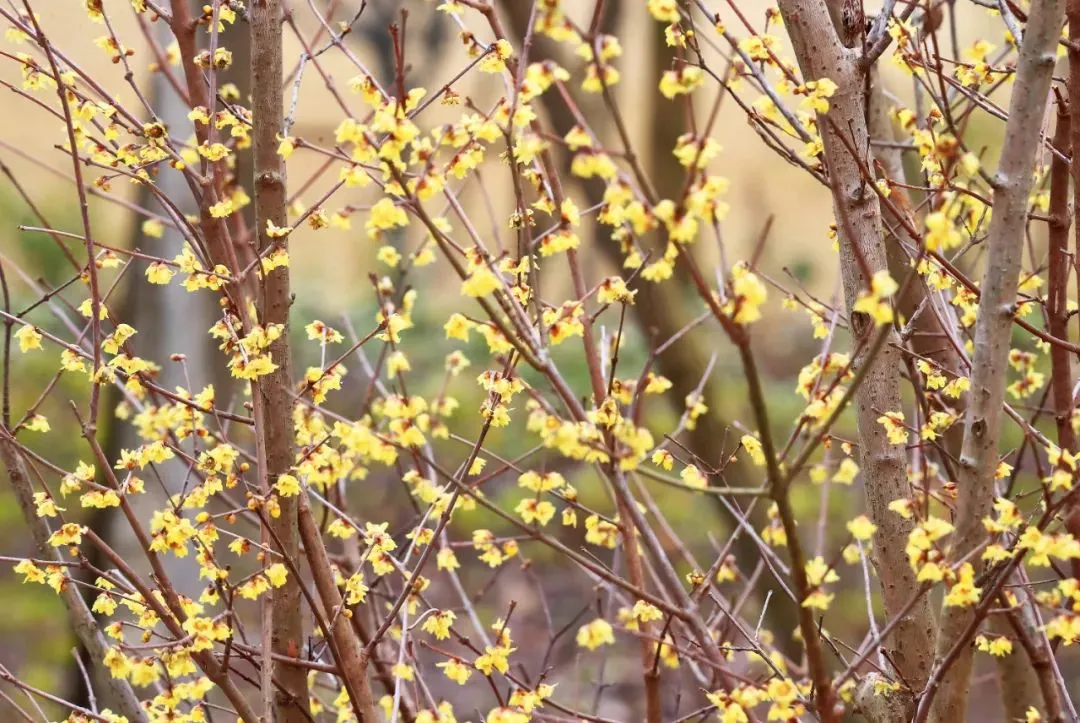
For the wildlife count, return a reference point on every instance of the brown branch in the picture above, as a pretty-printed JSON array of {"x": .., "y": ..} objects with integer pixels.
[
  {"x": 84, "y": 210},
  {"x": 779, "y": 490},
  {"x": 214, "y": 230},
  {"x": 662, "y": 312},
  {"x": 821, "y": 55},
  {"x": 1072, "y": 11},
  {"x": 1025, "y": 680},
  {"x": 649, "y": 651},
  {"x": 83, "y": 622},
  {"x": 1058, "y": 282},
  {"x": 982, "y": 423},
  {"x": 352, "y": 657},
  {"x": 272, "y": 394}
]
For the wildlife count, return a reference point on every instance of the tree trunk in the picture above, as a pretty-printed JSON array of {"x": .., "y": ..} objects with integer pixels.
[
  {"x": 844, "y": 131},
  {"x": 272, "y": 393},
  {"x": 982, "y": 423}
]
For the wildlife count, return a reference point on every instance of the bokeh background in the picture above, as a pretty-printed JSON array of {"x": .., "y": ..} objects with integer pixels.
[{"x": 331, "y": 281}]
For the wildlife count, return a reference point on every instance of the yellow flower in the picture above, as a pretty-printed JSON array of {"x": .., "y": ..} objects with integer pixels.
[
  {"x": 45, "y": 505},
  {"x": 507, "y": 715},
  {"x": 38, "y": 423},
  {"x": 658, "y": 271},
  {"x": 457, "y": 327},
  {"x": 729, "y": 710},
  {"x": 995, "y": 554},
  {"x": 438, "y": 623},
  {"x": 817, "y": 94},
  {"x": 354, "y": 177},
  {"x": 104, "y": 604},
  {"x": 532, "y": 510},
  {"x": 874, "y": 303},
  {"x": 277, "y": 574},
  {"x": 818, "y": 599},
  {"x": 275, "y": 231},
  {"x": 355, "y": 590},
  {"x": 318, "y": 331},
  {"x": 593, "y": 635},
  {"x": 645, "y": 612},
  {"x": 963, "y": 592},
  {"x": 494, "y": 658},
  {"x": 1008, "y": 516},
  {"x": 222, "y": 209},
  {"x": 681, "y": 82},
  {"x": 287, "y": 486},
  {"x": 893, "y": 422},
  {"x": 480, "y": 282},
  {"x": 664, "y": 11},
  {"x": 445, "y": 559},
  {"x": 656, "y": 384},
  {"x": 758, "y": 47},
  {"x": 541, "y": 483},
  {"x": 159, "y": 273},
  {"x": 117, "y": 663},
  {"x": 397, "y": 363},
  {"x": 529, "y": 700},
  {"x": 495, "y": 61},
  {"x": 388, "y": 255},
  {"x": 999, "y": 646},
  {"x": 847, "y": 472},
  {"x": 577, "y": 138},
  {"x": 456, "y": 671},
  {"x": 562, "y": 239},
  {"x": 596, "y": 80},
  {"x": 588, "y": 164},
  {"x": 663, "y": 459},
  {"x": 774, "y": 533},
  {"x": 612, "y": 290},
  {"x": 100, "y": 499},
  {"x": 153, "y": 228},
  {"x": 749, "y": 292},
  {"x": 384, "y": 215},
  {"x": 861, "y": 528},
  {"x": 286, "y": 146},
  {"x": 902, "y": 507},
  {"x": 28, "y": 338},
  {"x": 71, "y": 362},
  {"x": 693, "y": 477},
  {"x": 819, "y": 573},
  {"x": 144, "y": 672},
  {"x": 68, "y": 534},
  {"x": 941, "y": 234},
  {"x": 752, "y": 445}
]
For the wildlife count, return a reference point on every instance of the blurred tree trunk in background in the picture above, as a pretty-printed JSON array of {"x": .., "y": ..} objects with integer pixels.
[
  {"x": 664, "y": 310},
  {"x": 170, "y": 319}
]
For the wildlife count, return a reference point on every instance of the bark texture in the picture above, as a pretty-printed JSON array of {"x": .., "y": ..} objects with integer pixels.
[
  {"x": 350, "y": 655},
  {"x": 1072, "y": 515},
  {"x": 273, "y": 392},
  {"x": 982, "y": 423},
  {"x": 844, "y": 132}
]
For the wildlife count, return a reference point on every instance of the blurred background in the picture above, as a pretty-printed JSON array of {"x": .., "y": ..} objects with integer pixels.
[{"x": 331, "y": 281}]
